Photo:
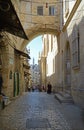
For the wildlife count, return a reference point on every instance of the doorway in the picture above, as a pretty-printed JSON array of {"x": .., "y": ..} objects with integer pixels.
[
  {"x": 67, "y": 68},
  {"x": 16, "y": 84}
]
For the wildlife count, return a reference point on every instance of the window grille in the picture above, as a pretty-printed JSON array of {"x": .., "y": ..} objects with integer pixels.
[{"x": 40, "y": 10}]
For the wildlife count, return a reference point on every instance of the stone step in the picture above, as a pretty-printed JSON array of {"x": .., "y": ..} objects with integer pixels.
[
  {"x": 6, "y": 100},
  {"x": 64, "y": 98}
]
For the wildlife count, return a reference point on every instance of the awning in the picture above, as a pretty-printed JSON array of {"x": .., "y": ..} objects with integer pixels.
[
  {"x": 21, "y": 53},
  {"x": 26, "y": 66},
  {"x": 9, "y": 20}
]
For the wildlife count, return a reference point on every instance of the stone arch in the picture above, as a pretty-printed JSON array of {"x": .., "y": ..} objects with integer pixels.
[
  {"x": 35, "y": 32},
  {"x": 67, "y": 67}
]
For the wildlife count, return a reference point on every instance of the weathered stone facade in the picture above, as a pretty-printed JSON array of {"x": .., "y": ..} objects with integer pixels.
[
  {"x": 68, "y": 76},
  {"x": 66, "y": 23},
  {"x": 12, "y": 59},
  {"x": 35, "y": 24},
  {"x": 71, "y": 49},
  {"x": 49, "y": 61},
  {"x": 11, "y": 66}
]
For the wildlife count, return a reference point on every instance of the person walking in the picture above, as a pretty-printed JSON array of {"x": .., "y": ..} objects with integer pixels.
[{"x": 49, "y": 88}]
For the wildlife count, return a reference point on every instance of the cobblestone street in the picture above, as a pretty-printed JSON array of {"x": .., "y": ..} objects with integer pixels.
[{"x": 35, "y": 111}]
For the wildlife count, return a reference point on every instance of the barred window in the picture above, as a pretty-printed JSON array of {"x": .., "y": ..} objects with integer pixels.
[
  {"x": 76, "y": 48},
  {"x": 51, "y": 10},
  {"x": 40, "y": 10}
]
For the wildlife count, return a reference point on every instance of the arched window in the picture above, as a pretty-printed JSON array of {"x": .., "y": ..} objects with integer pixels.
[
  {"x": 68, "y": 66},
  {"x": 75, "y": 48}
]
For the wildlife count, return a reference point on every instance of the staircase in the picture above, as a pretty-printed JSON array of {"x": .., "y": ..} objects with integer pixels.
[{"x": 64, "y": 97}]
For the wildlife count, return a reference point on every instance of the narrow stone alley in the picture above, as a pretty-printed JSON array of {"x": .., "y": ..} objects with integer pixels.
[{"x": 40, "y": 111}]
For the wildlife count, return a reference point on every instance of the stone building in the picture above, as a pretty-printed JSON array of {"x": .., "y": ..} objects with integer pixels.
[
  {"x": 35, "y": 75},
  {"x": 66, "y": 59},
  {"x": 28, "y": 19},
  {"x": 48, "y": 61},
  {"x": 11, "y": 57},
  {"x": 71, "y": 50}
]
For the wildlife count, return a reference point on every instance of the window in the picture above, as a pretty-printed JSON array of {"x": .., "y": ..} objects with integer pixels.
[
  {"x": 51, "y": 10},
  {"x": 40, "y": 10},
  {"x": 76, "y": 48}
]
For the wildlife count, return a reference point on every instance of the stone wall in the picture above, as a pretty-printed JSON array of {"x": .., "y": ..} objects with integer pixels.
[{"x": 77, "y": 72}]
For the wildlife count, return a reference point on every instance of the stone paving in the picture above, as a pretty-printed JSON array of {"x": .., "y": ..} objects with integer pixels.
[{"x": 33, "y": 111}]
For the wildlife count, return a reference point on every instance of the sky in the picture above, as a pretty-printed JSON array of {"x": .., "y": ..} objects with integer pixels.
[{"x": 35, "y": 47}]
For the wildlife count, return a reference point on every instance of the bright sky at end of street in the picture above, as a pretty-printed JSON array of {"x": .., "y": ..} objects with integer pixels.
[{"x": 35, "y": 47}]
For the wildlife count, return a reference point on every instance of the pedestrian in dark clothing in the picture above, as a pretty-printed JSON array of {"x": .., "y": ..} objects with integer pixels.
[
  {"x": 1, "y": 82},
  {"x": 49, "y": 87}
]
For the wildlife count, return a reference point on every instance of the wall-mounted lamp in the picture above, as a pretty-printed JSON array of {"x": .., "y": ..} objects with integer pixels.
[{"x": 46, "y": 5}]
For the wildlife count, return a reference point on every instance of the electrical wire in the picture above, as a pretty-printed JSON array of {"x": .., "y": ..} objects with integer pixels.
[
  {"x": 44, "y": 15},
  {"x": 32, "y": 2},
  {"x": 81, "y": 10},
  {"x": 58, "y": 1},
  {"x": 36, "y": 14},
  {"x": 58, "y": 14}
]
